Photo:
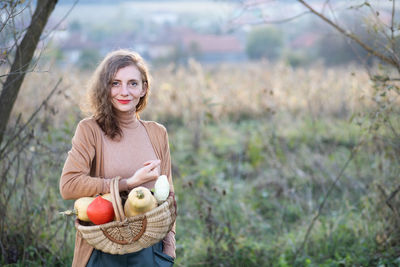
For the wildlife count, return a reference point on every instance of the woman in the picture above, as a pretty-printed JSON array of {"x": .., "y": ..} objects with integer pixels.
[{"x": 115, "y": 142}]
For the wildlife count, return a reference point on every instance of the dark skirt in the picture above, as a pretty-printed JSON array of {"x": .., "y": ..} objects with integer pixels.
[{"x": 148, "y": 257}]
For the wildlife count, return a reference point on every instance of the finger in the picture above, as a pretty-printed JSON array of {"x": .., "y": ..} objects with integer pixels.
[
  {"x": 149, "y": 166},
  {"x": 154, "y": 166},
  {"x": 147, "y": 162},
  {"x": 150, "y": 162}
]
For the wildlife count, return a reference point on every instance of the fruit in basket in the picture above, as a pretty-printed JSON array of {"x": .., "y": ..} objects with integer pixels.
[
  {"x": 140, "y": 200},
  {"x": 161, "y": 189},
  {"x": 107, "y": 196},
  {"x": 100, "y": 211},
  {"x": 81, "y": 205}
]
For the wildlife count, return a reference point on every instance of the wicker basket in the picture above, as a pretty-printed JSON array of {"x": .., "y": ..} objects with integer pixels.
[{"x": 130, "y": 234}]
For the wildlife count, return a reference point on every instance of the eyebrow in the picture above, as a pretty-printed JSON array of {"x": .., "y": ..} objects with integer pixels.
[{"x": 128, "y": 80}]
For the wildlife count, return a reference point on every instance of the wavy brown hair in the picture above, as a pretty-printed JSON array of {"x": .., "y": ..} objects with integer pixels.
[{"x": 99, "y": 89}]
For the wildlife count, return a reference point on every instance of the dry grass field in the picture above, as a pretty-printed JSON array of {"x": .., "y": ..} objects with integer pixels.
[{"x": 224, "y": 91}]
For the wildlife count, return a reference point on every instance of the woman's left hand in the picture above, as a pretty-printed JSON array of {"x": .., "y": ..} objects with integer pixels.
[{"x": 149, "y": 172}]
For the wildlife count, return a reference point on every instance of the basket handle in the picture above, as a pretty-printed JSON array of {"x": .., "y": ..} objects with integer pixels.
[{"x": 116, "y": 199}]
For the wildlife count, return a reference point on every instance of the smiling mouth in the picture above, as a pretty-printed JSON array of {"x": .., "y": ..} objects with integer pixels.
[{"x": 124, "y": 101}]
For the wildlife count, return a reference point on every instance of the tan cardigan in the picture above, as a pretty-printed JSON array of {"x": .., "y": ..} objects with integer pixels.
[{"x": 83, "y": 172}]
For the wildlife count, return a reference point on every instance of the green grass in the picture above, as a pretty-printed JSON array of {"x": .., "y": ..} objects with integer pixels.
[
  {"x": 274, "y": 178},
  {"x": 247, "y": 191}
]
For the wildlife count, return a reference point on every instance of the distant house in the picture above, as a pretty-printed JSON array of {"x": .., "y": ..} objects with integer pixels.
[
  {"x": 213, "y": 48},
  {"x": 159, "y": 50},
  {"x": 185, "y": 42},
  {"x": 305, "y": 40},
  {"x": 166, "y": 42},
  {"x": 73, "y": 44}
]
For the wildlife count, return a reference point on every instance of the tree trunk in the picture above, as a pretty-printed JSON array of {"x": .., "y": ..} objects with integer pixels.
[{"x": 22, "y": 60}]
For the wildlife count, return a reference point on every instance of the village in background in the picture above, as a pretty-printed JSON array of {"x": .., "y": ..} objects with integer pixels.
[{"x": 208, "y": 31}]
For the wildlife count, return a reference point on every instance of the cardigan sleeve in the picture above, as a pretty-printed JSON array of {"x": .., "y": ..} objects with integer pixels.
[
  {"x": 75, "y": 179},
  {"x": 169, "y": 240},
  {"x": 167, "y": 161}
]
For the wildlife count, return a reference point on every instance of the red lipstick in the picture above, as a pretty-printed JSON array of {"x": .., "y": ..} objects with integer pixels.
[{"x": 124, "y": 102}]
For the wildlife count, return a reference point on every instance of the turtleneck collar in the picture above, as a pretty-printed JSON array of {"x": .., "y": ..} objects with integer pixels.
[{"x": 127, "y": 119}]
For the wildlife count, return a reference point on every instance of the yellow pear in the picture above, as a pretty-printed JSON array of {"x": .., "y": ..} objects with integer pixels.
[
  {"x": 107, "y": 196},
  {"x": 80, "y": 206},
  {"x": 140, "y": 200}
]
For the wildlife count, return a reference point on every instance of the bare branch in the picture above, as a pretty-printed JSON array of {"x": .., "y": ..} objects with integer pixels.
[
  {"x": 391, "y": 196},
  {"x": 392, "y": 30},
  {"x": 285, "y": 20},
  {"x": 264, "y": 20},
  {"x": 322, "y": 205},
  {"x": 350, "y": 35},
  {"x": 392, "y": 22},
  {"x": 390, "y": 38},
  {"x": 388, "y": 201},
  {"x": 9, "y": 15},
  {"x": 28, "y": 71},
  {"x": 44, "y": 103}
]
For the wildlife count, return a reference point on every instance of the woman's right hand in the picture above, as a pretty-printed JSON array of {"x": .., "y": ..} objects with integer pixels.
[{"x": 149, "y": 172}]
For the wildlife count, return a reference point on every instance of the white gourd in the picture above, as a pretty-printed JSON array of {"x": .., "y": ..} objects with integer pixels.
[{"x": 161, "y": 189}]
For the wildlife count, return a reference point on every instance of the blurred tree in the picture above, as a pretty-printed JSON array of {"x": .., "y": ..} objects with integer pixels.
[
  {"x": 264, "y": 42},
  {"x": 194, "y": 51},
  {"x": 297, "y": 58},
  {"x": 335, "y": 50},
  {"x": 18, "y": 54},
  {"x": 75, "y": 26},
  {"x": 88, "y": 59}
]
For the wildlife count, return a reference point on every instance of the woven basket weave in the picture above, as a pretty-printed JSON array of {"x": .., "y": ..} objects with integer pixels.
[{"x": 130, "y": 234}]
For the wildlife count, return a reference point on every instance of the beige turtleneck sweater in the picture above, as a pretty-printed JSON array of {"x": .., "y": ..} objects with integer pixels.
[
  {"x": 95, "y": 158},
  {"x": 124, "y": 156}
]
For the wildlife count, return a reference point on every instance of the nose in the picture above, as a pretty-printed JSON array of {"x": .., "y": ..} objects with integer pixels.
[{"x": 124, "y": 90}]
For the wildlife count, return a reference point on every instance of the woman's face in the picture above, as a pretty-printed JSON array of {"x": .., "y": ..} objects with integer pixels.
[{"x": 127, "y": 89}]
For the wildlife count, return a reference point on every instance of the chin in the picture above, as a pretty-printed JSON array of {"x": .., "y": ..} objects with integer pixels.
[{"x": 124, "y": 108}]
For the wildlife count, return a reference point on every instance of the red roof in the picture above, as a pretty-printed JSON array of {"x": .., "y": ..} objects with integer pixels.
[
  {"x": 213, "y": 43},
  {"x": 305, "y": 40}
]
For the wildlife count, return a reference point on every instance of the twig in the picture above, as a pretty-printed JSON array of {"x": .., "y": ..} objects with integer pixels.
[
  {"x": 10, "y": 15},
  {"x": 44, "y": 103},
  {"x": 3, "y": 251},
  {"x": 22, "y": 143},
  {"x": 350, "y": 35},
  {"x": 322, "y": 205},
  {"x": 247, "y": 6},
  {"x": 285, "y": 19},
  {"x": 13, "y": 187},
  {"x": 389, "y": 203},
  {"x": 32, "y": 70},
  {"x": 393, "y": 40},
  {"x": 61, "y": 20}
]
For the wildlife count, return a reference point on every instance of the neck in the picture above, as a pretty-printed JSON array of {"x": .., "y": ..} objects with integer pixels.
[{"x": 127, "y": 119}]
